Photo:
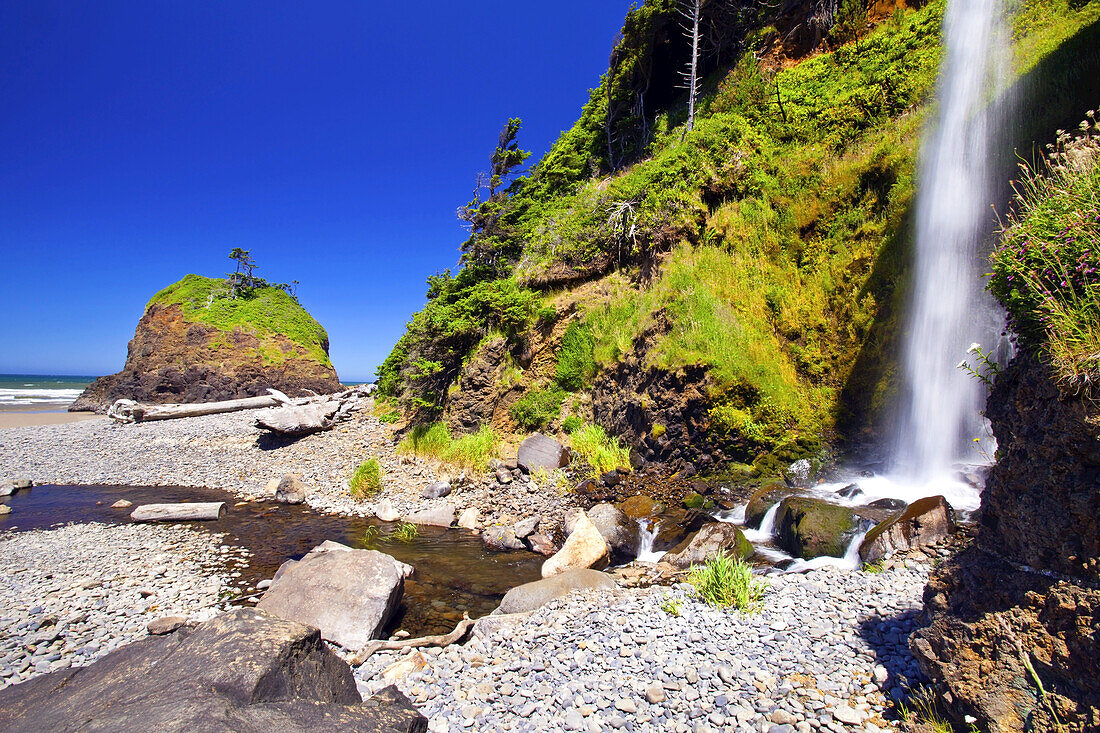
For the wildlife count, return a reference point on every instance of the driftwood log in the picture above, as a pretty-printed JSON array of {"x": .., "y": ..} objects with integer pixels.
[
  {"x": 291, "y": 419},
  {"x": 128, "y": 411},
  {"x": 184, "y": 512},
  {"x": 378, "y": 645}
]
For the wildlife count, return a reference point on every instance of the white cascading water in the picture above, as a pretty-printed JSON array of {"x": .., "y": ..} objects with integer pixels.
[
  {"x": 647, "y": 535},
  {"x": 949, "y": 308}
]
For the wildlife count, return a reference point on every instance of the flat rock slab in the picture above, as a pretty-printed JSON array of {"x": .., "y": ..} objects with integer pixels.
[
  {"x": 440, "y": 516},
  {"x": 242, "y": 671},
  {"x": 529, "y": 596},
  {"x": 541, "y": 451},
  {"x": 348, "y": 594}
]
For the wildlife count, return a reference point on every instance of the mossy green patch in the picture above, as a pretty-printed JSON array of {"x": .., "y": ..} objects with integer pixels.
[{"x": 263, "y": 312}]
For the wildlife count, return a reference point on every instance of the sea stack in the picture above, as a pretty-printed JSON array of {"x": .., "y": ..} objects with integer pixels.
[{"x": 198, "y": 341}]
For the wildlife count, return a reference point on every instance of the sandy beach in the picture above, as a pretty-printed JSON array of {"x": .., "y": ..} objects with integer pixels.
[{"x": 29, "y": 418}]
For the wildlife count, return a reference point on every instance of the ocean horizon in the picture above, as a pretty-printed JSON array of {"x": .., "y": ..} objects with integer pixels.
[{"x": 40, "y": 392}]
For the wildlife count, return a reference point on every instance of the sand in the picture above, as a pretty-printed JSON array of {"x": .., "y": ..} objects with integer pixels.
[{"x": 13, "y": 419}]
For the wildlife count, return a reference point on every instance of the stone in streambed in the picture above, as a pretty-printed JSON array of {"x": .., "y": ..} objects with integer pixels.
[
  {"x": 640, "y": 507},
  {"x": 436, "y": 490},
  {"x": 122, "y": 504},
  {"x": 584, "y": 548},
  {"x": 291, "y": 490},
  {"x": 385, "y": 512},
  {"x": 439, "y": 516},
  {"x": 469, "y": 518},
  {"x": 540, "y": 543},
  {"x": 809, "y": 528},
  {"x": 529, "y": 596},
  {"x": 348, "y": 594},
  {"x": 242, "y": 671},
  {"x": 541, "y": 451},
  {"x": 166, "y": 625},
  {"x": 524, "y": 528},
  {"x": 707, "y": 543},
  {"x": 762, "y": 500},
  {"x": 4, "y": 509},
  {"x": 9, "y": 487},
  {"x": 923, "y": 522},
  {"x": 501, "y": 539}
]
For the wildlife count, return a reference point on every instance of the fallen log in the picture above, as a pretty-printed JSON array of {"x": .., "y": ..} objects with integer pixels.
[
  {"x": 128, "y": 411},
  {"x": 296, "y": 420},
  {"x": 378, "y": 645},
  {"x": 184, "y": 512}
]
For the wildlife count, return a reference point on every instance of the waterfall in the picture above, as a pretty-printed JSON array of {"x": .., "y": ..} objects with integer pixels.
[
  {"x": 647, "y": 535},
  {"x": 766, "y": 532},
  {"x": 949, "y": 309}
]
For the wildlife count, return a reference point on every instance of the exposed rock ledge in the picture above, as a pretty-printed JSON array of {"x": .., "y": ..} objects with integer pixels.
[{"x": 1014, "y": 634}]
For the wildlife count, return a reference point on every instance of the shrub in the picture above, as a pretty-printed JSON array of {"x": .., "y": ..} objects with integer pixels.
[
  {"x": 600, "y": 451},
  {"x": 537, "y": 408},
  {"x": 469, "y": 452},
  {"x": 1046, "y": 268},
  {"x": 571, "y": 424},
  {"x": 576, "y": 362},
  {"x": 366, "y": 481},
  {"x": 727, "y": 581}
]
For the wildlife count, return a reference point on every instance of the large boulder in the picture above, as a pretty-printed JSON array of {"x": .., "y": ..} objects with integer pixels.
[
  {"x": 584, "y": 548},
  {"x": 348, "y": 594},
  {"x": 808, "y": 527},
  {"x": 529, "y": 596},
  {"x": 764, "y": 499},
  {"x": 245, "y": 670},
  {"x": 674, "y": 525},
  {"x": 541, "y": 451},
  {"x": 620, "y": 531},
  {"x": 183, "y": 349},
  {"x": 923, "y": 522},
  {"x": 641, "y": 506},
  {"x": 436, "y": 516},
  {"x": 707, "y": 543}
]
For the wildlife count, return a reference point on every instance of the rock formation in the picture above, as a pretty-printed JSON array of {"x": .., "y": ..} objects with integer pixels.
[
  {"x": 196, "y": 344},
  {"x": 1014, "y": 622}
]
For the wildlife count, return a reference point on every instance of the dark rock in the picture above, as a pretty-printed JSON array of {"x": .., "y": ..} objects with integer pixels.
[
  {"x": 291, "y": 490},
  {"x": 526, "y": 527},
  {"x": 762, "y": 500},
  {"x": 436, "y": 490},
  {"x": 693, "y": 500},
  {"x": 541, "y": 451},
  {"x": 541, "y": 544},
  {"x": 501, "y": 539},
  {"x": 620, "y": 531},
  {"x": 529, "y": 596},
  {"x": 707, "y": 543},
  {"x": 675, "y": 524},
  {"x": 924, "y": 522},
  {"x": 610, "y": 479},
  {"x": 892, "y": 505},
  {"x": 243, "y": 671},
  {"x": 480, "y": 388},
  {"x": 640, "y": 507},
  {"x": 850, "y": 491},
  {"x": 808, "y": 527},
  {"x": 166, "y": 625},
  {"x": 348, "y": 594}
]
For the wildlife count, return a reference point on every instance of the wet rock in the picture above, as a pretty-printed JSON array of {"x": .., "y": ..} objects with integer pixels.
[
  {"x": 762, "y": 500},
  {"x": 439, "y": 516},
  {"x": 850, "y": 491},
  {"x": 541, "y": 451},
  {"x": 541, "y": 544},
  {"x": 122, "y": 504},
  {"x": 529, "y": 596},
  {"x": 469, "y": 518},
  {"x": 640, "y": 506},
  {"x": 584, "y": 548},
  {"x": 10, "y": 486},
  {"x": 291, "y": 490},
  {"x": 924, "y": 522},
  {"x": 501, "y": 539},
  {"x": 165, "y": 625},
  {"x": 4, "y": 509},
  {"x": 436, "y": 490},
  {"x": 348, "y": 594},
  {"x": 893, "y": 505},
  {"x": 619, "y": 530},
  {"x": 242, "y": 671},
  {"x": 708, "y": 542},
  {"x": 674, "y": 525},
  {"x": 808, "y": 527}
]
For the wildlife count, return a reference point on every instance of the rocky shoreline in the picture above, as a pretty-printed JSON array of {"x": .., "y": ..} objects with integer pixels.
[{"x": 71, "y": 595}]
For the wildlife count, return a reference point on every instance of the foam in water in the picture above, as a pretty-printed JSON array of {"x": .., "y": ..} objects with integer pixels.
[
  {"x": 37, "y": 396},
  {"x": 850, "y": 561},
  {"x": 949, "y": 308},
  {"x": 766, "y": 531},
  {"x": 646, "y": 538}
]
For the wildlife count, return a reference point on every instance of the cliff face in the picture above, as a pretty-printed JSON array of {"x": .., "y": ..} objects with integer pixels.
[
  {"x": 191, "y": 347},
  {"x": 1028, "y": 592}
]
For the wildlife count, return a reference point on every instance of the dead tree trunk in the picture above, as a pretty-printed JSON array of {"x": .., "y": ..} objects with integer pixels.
[{"x": 185, "y": 512}]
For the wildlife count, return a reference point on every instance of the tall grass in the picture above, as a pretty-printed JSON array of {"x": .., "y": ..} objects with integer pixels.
[
  {"x": 469, "y": 452},
  {"x": 1046, "y": 268},
  {"x": 600, "y": 451},
  {"x": 727, "y": 581},
  {"x": 366, "y": 481}
]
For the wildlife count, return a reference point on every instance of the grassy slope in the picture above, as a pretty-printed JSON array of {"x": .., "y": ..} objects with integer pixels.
[{"x": 266, "y": 312}]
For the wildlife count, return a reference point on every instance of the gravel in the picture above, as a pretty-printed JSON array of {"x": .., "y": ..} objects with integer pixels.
[
  {"x": 826, "y": 653},
  {"x": 72, "y": 594}
]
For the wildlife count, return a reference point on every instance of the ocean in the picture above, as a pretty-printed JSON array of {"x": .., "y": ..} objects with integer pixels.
[{"x": 40, "y": 392}]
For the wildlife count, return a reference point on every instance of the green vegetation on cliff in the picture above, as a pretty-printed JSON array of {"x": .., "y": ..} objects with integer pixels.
[
  {"x": 768, "y": 244},
  {"x": 262, "y": 312}
]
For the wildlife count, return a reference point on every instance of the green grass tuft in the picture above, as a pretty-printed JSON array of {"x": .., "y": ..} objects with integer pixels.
[
  {"x": 405, "y": 532},
  {"x": 603, "y": 453},
  {"x": 576, "y": 363},
  {"x": 727, "y": 581},
  {"x": 366, "y": 481},
  {"x": 470, "y": 452},
  {"x": 537, "y": 408}
]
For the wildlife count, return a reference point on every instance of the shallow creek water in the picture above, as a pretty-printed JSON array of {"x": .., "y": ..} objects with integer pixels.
[{"x": 454, "y": 572}]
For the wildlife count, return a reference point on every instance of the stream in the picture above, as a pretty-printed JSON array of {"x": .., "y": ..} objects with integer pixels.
[{"x": 454, "y": 572}]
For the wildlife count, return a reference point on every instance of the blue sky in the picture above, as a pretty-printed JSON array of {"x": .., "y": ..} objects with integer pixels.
[{"x": 335, "y": 140}]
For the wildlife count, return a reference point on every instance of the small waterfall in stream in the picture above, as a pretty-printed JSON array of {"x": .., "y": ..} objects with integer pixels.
[
  {"x": 949, "y": 309},
  {"x": 647, "y": 535}
]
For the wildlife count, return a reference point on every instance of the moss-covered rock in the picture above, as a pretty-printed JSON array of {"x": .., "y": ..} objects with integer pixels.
[
  {"x": 708, "y": 542},
  {"x": 197, "y": 343},
  {"x": 764, "y": 499},
  {"x": 808, "y": 527}
]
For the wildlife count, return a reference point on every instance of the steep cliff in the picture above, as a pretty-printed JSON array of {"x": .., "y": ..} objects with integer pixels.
[{"x": 196, "y": 343}]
